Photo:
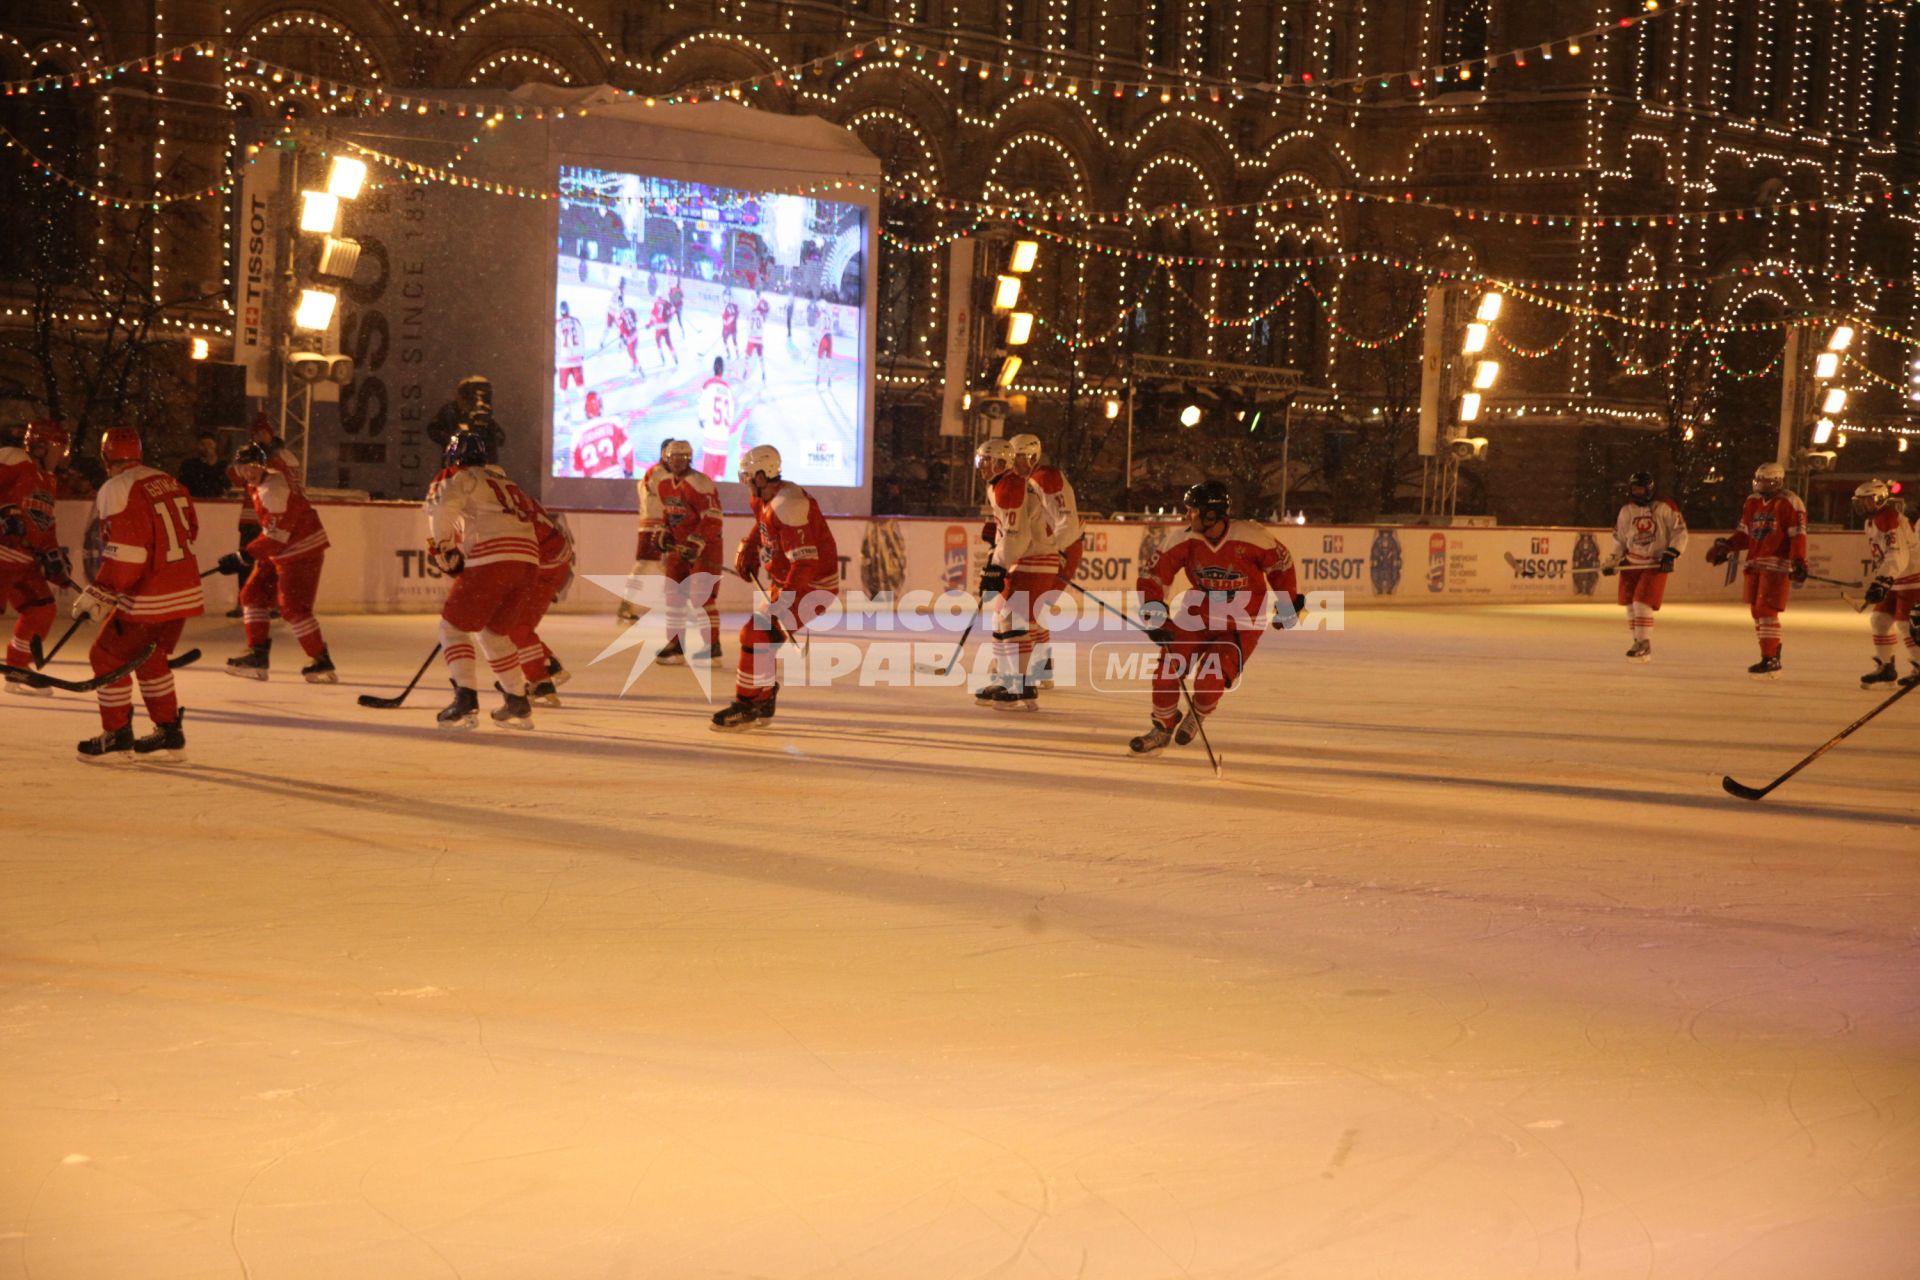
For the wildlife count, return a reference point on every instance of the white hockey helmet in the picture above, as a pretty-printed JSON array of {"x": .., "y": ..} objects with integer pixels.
[
  {"x": 1871, "y": 496},
  {"x": 1026, "y": 448},
  {"x": 677, "y": 453},
  {"x": 1769, "y": 477},
  {"x": 761, "y": 460},
  {"x": 993, "y": 457}
]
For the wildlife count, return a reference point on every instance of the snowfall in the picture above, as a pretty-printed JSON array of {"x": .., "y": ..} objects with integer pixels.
[{"x": 1465, "y": 966}]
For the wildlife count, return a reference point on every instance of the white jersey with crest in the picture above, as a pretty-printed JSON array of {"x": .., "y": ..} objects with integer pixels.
[
  {"x": 1641, "y": 534},
  {"x": 1893, "y": 549}
]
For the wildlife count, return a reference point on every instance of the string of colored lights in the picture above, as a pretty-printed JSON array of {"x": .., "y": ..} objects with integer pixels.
[{"x": 97, "y": 193}]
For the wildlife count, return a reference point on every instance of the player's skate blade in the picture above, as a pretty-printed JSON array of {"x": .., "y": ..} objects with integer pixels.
[
  {"x": 1765, "y": 669},
  {"x": 1642, "y": 651},
  {"x": 115, "y": 746},
  {"x": 1152, "y": 742},
  {"x": 462, "y": 713},
  {"x": 166, "y": 744},
  {"x": 251, "y": 665},
  {"x": 18, "y": 685},
  {"x": 514, "y": 713},
  {"x": 1882, "y": 673},
  {"x": 320, "y": 670}
]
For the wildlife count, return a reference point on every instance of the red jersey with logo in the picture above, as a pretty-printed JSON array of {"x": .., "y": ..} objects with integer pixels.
[
  {"x": 1772, "y": 531},
  {"x": 1893, "y": 549},
  {"x": 602, "y": 448},
  {"x": 792, "y": 540},
  {"x": 1022, "y": 542},
  {"x": 661, "y": 317},
  {"x": 290, "y": 528},
  {"x": 679, "y": 507},
  {"x": 1236, "y": 571},
  {"x": 148, "y": 524},
  {"x": 484, "y": 514},
  {"x": 552, "y": 538},
  {"x": 30, "y": 490},
  {"x": 617, "y": 309},
  {"x": 729, "y": 318}
]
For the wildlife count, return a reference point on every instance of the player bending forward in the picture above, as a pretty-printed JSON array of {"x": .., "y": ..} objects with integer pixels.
[
  {"x": 32, "y": 561},
  {"x": 1648, "y": 536},
  {"x": 1893, "y": 588},
  {"x": 791, "y": 541},
  {"x": 543, "y": 672},
  {"x": 680, "y": 541},
  {"x": 480, "y": 533},
  {"x": 1060, "y": 512},
  {"x": 1021, "y": 568},
  {"x": 1773, "y": 531},
  {"x": 1232, "y": 564},
  {"x": 148, "y": 586},
  {"x": 286, "y": 556}
]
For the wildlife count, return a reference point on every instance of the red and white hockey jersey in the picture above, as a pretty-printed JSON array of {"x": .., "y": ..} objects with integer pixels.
[
  {"x": 484, "y": 514},
  {"x": 602, "y": 448},
  {"x": 1235, "y": 572},
  {"x": 1772, "y": 531},
  {"x": 794, "y": 544},
  {"x": 552, "y": 538},
  {"x": 1640, "y": 533},
  {"x": 1022, "y": 541},
  {"x": 1058, "y": 506},
  {"x": 679, "y": 507},
  {"x": 290, "y": 528},
  {"x": 660, "y": 317},
  {"x": 29, "y": 490},
  {"x": 718, "y": 418},
  {"x": 569, "y": 343},
  {"x": 1893, "y": 549},
  {"x": 148, "y": 525}
]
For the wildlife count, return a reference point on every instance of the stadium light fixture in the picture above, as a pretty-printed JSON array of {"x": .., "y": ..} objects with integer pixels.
[
  {"x": 1489, "y": 310},
  {"x": 345, "y": 176},
  {"x": 1485, "y": 374},
  {"x": 1834, "y": 402},
  {"x": 199, "y": 349},
  {"x": 1190, "y": 416},
  {"x": 339, "y": 257},
  {"x": 1025, "y": 254},
  {"x": 1113, "y": 410},
  {"x": 1019, "y": 328},
  {"x": 1826, "y": 365},
  {"x": 1009, "y": 370},
  {"x": 319, "y": 212},
  {"x": 1476, "y": 339},
  {"x": 1823, "y": 431},
  {"x": 1841, "y": 338},
  {"x": 1470, "y": 407},
  {"x": 315, "y": 311},
  {"x": 1006, "y": 293}
]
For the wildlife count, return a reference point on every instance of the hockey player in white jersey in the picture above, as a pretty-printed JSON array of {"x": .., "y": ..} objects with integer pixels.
[
  {"x": 1021, "y": 569},
  {"x": 1648, "y": 536},
  {"x": 1893, "y": 583},
  {"x": 1060, "y": 516}
]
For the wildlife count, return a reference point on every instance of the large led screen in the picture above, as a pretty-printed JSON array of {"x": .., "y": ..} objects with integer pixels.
[{"x": 722, "y": 317}]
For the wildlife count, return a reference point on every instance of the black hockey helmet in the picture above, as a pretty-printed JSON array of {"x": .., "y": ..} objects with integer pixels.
[
  {"x": 1640, "y": 487},
  {"x": 1211, "y": 499},
  {"x": 466, "y": 449},
  {"x": 251, "y": 455}
]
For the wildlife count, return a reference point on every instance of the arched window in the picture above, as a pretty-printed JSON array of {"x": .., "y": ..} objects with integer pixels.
[{"x": 1463, "y": 31}]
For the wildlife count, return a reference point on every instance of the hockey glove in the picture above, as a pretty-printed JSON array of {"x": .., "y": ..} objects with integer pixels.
[
  {"x": 691, "y": 549},
  {"x": 647, "y": 547},
  {"x": 744, "y": 564},
  {"x": 233, "y": 563},
  {"x": 449, "y": 560},
  {"x": 989, "y": 532},
  {"x": 1720, "y": 552},
  {"x": 12, "y": 523},
  {"x": 95, "y": 601},
  {"x": 56, "y": 566},
  {"x": 993, "y": 580},
  {"x": 1668, "y": 559},
  {"x": 1153, "y": 617},
  {"x": 1610, "y": 568},
  {"x": 1877, "y": 590},
  {"x": 1799, "y": 574},
  {"x": 1287, "y": 611}
]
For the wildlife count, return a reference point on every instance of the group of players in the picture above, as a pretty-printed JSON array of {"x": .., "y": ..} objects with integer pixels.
[{"x": 1650, "y": 534}]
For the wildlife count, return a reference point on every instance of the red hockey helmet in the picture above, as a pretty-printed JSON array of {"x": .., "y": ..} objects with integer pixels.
[
  {"x": 51, "y": 434},
  {"x": 119, "y": 444},
  {"x": 593, "y": 404},
  {"x": 261, "y": 432}
]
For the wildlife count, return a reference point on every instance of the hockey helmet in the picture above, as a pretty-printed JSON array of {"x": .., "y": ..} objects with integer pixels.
[
  {"x": 1769, "y": 477},
  {"x": 994, "y": 457},
  {"x": 1640, "y": 487},
  {"x": 466, "y": 449},
  {"x": 251, "y": 455},
  {"x": 52, "y": 436},
  {"x": 762, "y": 460},
  {"x": 1871, "y": 496},
  {"x": 1211, "y": 499},
  {"x": 119, "y": 445},
  {"x": 261, "y": 432},
  {"x": 678, "y": 454},
  {"x": 474, "y": 390},
  {"x": 593, "y": 404},
  {"x": 1026, "y": 448}
]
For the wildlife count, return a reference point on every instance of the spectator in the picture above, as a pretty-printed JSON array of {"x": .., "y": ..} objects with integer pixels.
[{"x": 204, "y": 475}]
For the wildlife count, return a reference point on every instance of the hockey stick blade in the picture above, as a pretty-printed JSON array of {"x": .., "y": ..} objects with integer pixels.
[
  {"x": 389, "y": 704},
  {"x": 180, "y": 660},
  {"x": 1733, "y": 788},
  {"x": 41, "y": 680},
  {"x": 1742, "y": 790}
]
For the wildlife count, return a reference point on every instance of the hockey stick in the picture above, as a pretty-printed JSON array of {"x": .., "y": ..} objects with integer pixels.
[
  {"x": 388, "y": 704},
  {"x": 180, "y": 660},
  {"x": 40, "y": 660},
  {"x": 1199, "y": 721},
  {"x": 41, "y": 680},
  {"x": 1733, "y": 788},
  {"x": 1834, "y": 582},
  {"x": 1859, "y": 605},
  {"x": 940, "y": 669}
]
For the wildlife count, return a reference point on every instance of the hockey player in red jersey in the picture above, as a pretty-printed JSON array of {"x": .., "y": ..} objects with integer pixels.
[
  {"x": 659, "y": 319},
  {"x": 287, "y": 557},
  {"x": 680, "y": 540},
  {"x": 480, "y": 533},
  {"x": 1021, "y": 569},
  {"x": 730, "y": 327},
  {"x": 1211, "y": 632},
  {"x": 1893, "y": 582},
  {"x": 543, "y": 672},
  {"x": 1648, "y": 536},
  {"x": 791, "y": 541},
  {"x": 1060, "y": 514},
  {"x": 32, "y": 561},
  {"x": 1773, "y": 533},
  {"x": 147, "y": 587},
  {"x": 602, "y": 446}
]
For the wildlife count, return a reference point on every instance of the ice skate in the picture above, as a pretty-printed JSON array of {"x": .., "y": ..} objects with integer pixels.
[
  {"x": 18, "y": 684},
  {"x": 672, "y": 655},
  {"x": 1765, "y": 669},
  {"x": 544, "y": 694},
  {"x": 320, "y": 670},
  {"x": 113, "y": 746},
  {"x": 746, "y": 713},
  {"x": 557, "y": 675},
  {"x": 1152, "y": 742},
  {"x": 165, "y": 744},
  {"x": 1884, "y": 672},
  {"x": 626, "y": 613},
  {"x": 514, "y": 711},
  {"x": 1911, "y": 678},
  {"x": 463, "y": 712},
  {"x": 1189, "y": 727},
  {"x": 1041, "y": 676},
  {"x": 1642, "y": 651},
  {"x": 251, "y": 665},
  {"x": 711, "y": 655},
  {"x": 1024, "y": 698},
  {"x": 990, "y": 692}
]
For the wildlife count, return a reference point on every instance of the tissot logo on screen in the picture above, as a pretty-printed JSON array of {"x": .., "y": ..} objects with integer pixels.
[{"x": 722, "y": 317}]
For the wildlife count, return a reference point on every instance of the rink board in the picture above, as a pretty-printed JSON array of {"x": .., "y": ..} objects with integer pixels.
[{"x": 377, "y": 563}]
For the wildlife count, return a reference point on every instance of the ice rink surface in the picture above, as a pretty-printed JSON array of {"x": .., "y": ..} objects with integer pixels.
[{"x": 1467, "y": 968}]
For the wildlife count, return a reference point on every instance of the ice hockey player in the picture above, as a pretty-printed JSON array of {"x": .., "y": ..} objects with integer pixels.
[
  {"x": 1773, "y": 532},
  {"x": 1021, "y": 568},
  {"x": 730, "y": 327},
  {"x": 719, "y": 419},
  {"x": 602, "y": 447},
  {"x": 1211, "y": 632},
  {"x": 658, "y": 319},
  {"x": 791, "y": 541},
  {"x": 149, "y": 584},
  {"x": 757, "y": 337},
  {"x": 287, "y": 556},
  {"x": 282, "y": 460},
  {"x": 680, "y": 540},
  {"x": 32, "y": 561},
  {"x": 1060, "y": 511},
  {"x": 1893, "y": 581},
  {"x": 543, "y": 672},
  {"x": 1648, "y": 536},
  {"x": 480, "y": 533},
  {"x": 569, "y": 357}
]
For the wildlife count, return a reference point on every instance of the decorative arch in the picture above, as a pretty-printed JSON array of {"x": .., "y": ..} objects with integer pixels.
[
  {"x": 512, "y": 67},
  {"x": 310, "y": 40},
  {"x": 1035, "y": 166}
]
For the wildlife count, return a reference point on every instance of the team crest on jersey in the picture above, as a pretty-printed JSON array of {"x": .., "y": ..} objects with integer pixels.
[{"x": 1384, "y": 562}]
